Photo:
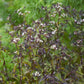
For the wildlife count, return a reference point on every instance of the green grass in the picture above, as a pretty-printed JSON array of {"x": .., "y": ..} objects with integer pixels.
[{"x": 77, "y": 4}]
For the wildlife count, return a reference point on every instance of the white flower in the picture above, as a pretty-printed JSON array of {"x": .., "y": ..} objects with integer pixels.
[
  {"x": 39, "y": 40},
  {"x": 16, "y": 52},
  {"x": 15, "y": 40},
  {"x": 19, "y": 25},
  {"x": 27, "y": 11},
  {"x": 23, "y": 33},
  {"x": 30, "y": 28},
  {"x": 36, "y": 21},
  {"x": 65, "y": 58},
  {"x": 52, "y": 22},
  {"x": 54, "y": 46},
  {"x": 75, "y": 20},
  {"x": 60, "y": 8},
  {"x": 19, "y": 10},
  {"x": 53, "y": 15},
  {"x": 12, "y": 32},
  {"x": 63, "y": 15},
  {"x": 20, "y": 13},
  {"x": 78, "y": 41},
  {"x": 82, "y": 20},
  {"x": 37, "y": 73},
  {"x": 53, "y": 32},
  {"x": 1, "y": 79},
  {"x": 78, "y": 22},
  {"x": 43, "y": 25},
  {"x": 46, "y": 35}
]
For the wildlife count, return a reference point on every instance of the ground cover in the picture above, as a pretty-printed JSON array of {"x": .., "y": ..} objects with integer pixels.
[{"x": 41, "y": 42}]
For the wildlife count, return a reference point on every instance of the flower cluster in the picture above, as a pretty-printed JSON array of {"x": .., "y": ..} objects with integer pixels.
[
  {"x": 20, "y": 13},
  {"x": 15, "y": 40},
  {"x": 37, "y": 73}
]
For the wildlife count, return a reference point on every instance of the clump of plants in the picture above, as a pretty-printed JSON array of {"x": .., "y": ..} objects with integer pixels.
[{"x": 50, "y": 50}]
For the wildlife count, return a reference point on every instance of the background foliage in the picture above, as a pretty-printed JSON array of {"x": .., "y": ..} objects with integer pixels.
[{"x": 41, "y": 42}]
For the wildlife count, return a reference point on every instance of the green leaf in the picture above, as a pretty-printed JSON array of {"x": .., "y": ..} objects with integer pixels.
[{"x": 58, "y": 75}]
